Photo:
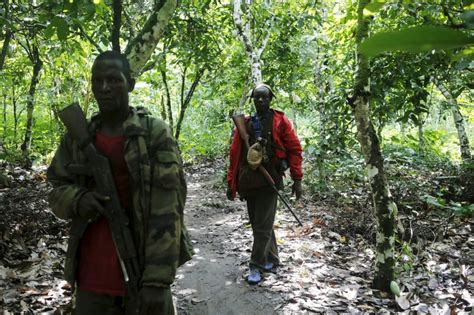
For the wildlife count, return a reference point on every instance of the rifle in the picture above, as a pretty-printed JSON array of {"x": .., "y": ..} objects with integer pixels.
[
  {"x": 73, "y": 118},
  {"x": 239, "y": 121}
]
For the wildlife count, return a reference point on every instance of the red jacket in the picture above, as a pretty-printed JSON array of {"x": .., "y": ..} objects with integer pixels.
[{"x": 283, "y": 136}]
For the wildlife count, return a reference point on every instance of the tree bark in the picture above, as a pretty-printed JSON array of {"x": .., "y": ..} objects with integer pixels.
[
  {"x": 15, "y": 116},
  {"x": 8, "y": 35},
  {"x": 385, "y": 208},
  {"x": 30, "y": 104},
  {"x": 244, "y": 34},
  {"x": 458, "y": 121},
  {"x": 140, "y": 48},
  {"x": 4, "y": 117},
  {"x": 187, "y": 100},
  {"x": 117, "y": 23},
  {"x": 168, "y": 100}
]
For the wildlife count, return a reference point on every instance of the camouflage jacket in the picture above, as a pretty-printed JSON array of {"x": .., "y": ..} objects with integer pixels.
[{"x": 157, "y": 190}]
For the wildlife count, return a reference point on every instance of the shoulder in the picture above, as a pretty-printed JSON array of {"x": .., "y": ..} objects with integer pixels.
[
  {"x": 148, "y": 122},
  {"x": 279, "y": 116}
]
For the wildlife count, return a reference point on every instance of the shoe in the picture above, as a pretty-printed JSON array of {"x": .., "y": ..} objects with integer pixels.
[
  {"x": 254, "y": 276},
  {"x": 268, "y": 266}
]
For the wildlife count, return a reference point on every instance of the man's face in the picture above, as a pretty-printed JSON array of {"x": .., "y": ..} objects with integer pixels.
[
  {"x": 262, "y": 98},
  {"x": 110, "y": 86}
]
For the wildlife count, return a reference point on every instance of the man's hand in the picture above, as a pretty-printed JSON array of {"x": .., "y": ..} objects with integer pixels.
[
  {"x": 296, "y": 189},
  {"x": 90, "y": 205},
  {"x": 155, "y": 300},
  {"x": 229, "y": 194}
]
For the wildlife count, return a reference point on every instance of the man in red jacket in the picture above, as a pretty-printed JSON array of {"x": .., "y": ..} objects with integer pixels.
[{"x": 281, "y": 149}]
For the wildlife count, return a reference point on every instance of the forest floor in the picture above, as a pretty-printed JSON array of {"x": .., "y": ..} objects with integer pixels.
[{"x": 326, "y": 265}]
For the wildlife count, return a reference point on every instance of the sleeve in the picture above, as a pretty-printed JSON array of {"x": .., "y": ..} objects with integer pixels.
[
  {"x": 165, "y": 221},
  {"x": 293, "y": 149},
  {"x": 234, "y": 161},
  {"x": 64, "y": 196}
]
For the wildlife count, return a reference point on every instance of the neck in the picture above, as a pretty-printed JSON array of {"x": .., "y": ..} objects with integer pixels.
[
  {"x": 262, "y": 112},
  {"x": 112, "y": 123}
]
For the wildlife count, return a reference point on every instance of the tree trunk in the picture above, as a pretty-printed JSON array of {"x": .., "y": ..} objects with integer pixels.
[
  {"x": 140, "y": 48},
  {"x": 4, "y": 117},
  {"x": 244, "y": 34},
  {"x": 15, "y": 116},
  {"x": 8, "y": 35},
  {"x": 321, "y": 156},
  {"x": 117, "y": 23},
  {"x": 30, "y": 104},
  {"x": 458, "y": 121},
  {"x": 186, "y": 101},
  {"x": 385, "y": 208},
  {"x": 163, "y": 108},
  {"x": 168, "y": 100},
  {"x": 421, "y": 142}
]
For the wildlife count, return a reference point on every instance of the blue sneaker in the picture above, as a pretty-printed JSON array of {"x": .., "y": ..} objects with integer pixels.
[
  {"x": 254, "y": 276},
  {"x": 268, "y": 266}
]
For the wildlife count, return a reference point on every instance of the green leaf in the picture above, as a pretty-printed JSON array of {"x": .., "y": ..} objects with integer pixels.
[
  {"x": 394, "y": 288},
  {"x": 62, "y": 30},
  {"x": 49, "y": 31},
  {"x": 373, "y": 7},
  {"x": 415, "y": 39}
]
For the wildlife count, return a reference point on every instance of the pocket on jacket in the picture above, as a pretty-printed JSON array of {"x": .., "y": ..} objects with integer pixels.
[{"x": 166, "y": 170}]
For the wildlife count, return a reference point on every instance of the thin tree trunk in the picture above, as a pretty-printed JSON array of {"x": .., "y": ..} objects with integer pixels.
[
  {"x": 321, "y": 156},
  {"x": 163, "y": 108},
  {"x": 458, "y": 121},
  {"x": 385, "y": 208},
  {"x": 421, "y": 142},
  {"x": 30, "y": 104},
  {"x": 140, "y": 48},
  {"x": 15, "y": 116},
  {"x": 168, "y": 100},
  {"x": 115, "y": 35},
  {"x": 8, "y": 36},
  {"x": 4, "y": 117},
  {"x": 244, "y": 33},
  {"x": 187, "y": 101}
]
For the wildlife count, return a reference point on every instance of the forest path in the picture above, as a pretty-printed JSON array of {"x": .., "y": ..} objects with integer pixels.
[{"x": 213, "y": 282}]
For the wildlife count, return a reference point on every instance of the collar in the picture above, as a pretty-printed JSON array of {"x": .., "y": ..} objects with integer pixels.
[{"x": 132, "y": 125}]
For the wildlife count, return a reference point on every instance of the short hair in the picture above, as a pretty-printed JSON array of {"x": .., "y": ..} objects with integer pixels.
[{"x": 115, "y": 55}]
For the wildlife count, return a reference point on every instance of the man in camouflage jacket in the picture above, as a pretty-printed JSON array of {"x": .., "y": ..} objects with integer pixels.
[{"x": 152, "y": 189}]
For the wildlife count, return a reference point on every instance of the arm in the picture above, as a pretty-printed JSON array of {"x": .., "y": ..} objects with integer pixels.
[
  {"x": 234, "y": 161},
  {"x": 65, "y": 195},
  {"x": 293, "y": 148},
  {"x": 167, "y": 198}
]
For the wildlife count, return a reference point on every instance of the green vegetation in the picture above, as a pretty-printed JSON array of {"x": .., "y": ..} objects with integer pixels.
[{"x": 419, "y": 96}]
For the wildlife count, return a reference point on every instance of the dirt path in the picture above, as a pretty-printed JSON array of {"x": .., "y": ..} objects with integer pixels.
[{"x": 213, "y": 282}]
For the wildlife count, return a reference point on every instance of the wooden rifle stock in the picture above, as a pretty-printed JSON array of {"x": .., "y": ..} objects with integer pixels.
[{"x": 239, "y": 121}]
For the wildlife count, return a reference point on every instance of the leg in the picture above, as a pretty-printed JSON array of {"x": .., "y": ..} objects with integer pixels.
[
  {"x": 90, "y": 303},
  {"x": 262, "y": 208}
]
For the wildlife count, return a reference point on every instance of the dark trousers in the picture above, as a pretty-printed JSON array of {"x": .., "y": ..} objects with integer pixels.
[
  {"x": 261, "y": 207},
  {"x": 93, "y": 303},
  {"x": 90, "y": 303}
]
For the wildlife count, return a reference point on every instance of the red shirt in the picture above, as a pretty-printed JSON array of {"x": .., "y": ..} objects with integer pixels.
[{"x": 99, "y": 266}]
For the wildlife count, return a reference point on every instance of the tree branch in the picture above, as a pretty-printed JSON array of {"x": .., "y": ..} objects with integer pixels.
[
  {"x": 140, "y": 48},
  {"x": 117, "y": 23}
]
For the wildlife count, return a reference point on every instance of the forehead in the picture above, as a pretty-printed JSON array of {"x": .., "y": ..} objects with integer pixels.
[
  {"x": 261, "y": 90},
  {"x": 106, "y": 66}
]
